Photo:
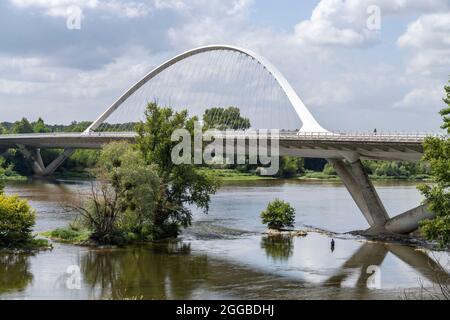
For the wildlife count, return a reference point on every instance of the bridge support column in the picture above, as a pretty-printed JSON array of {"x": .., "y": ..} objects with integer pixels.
[
  {"x": 363, "y": 192},
  {"x": 55, "y": 164},
  {"x": 39, "y": 168},
  {"x": 357, "y": 182},
  {"x": 409, "y": 221}
]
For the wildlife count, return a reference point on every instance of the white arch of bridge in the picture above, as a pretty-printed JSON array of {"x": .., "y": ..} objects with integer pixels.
[{"x": 309, "y": 123}]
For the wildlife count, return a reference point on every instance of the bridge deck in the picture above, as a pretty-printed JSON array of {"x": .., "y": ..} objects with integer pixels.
[{"x": 407, "y": 147}]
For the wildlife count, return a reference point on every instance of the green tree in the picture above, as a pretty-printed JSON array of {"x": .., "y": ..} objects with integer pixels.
[
  {"x": 22, "y": 126},
  {"x": 122, "y": 202},
  {"x": 222, "y": 119},
  {"x": 290, "y": 166},
  {"x": 40, "y": 127},
  {"x": 181, "y": 185},
  {"x": 278, "y": 214},
  {"x": 137, "y": 184},
  {"x": 17, "y": 219},
  {"x": 437, "y": 196},
  {"x": 3, "y": 130}
]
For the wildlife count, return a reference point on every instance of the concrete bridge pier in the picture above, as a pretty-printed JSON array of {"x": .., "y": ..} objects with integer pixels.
[
  {"x": 39, "y": 168},
  {"x": 357, "y": 182},
  {"x": 363, "y": 192}
]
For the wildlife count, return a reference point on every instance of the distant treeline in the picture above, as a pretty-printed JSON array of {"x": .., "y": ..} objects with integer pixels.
[{"x": 39, "y": 126}]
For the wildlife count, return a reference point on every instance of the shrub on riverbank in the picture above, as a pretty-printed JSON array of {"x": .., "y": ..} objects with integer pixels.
[
  {"x": 437, "y": 195},
  {"x": 278, "y": 214},
  {"x": 17, "y": 219}
]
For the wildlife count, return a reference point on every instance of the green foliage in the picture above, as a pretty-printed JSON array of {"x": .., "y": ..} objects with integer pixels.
[
  {"x": 278, "y": 214},
  {"x": 222, "y": 119},
  {"x": 82, "y": 159},
  {"x": 40, "y": 127},
  {"x": 329, "y": 170},
  {"x": 3, "y": 130},
  {"x": 396, "y": 169},
  {"x": 437, "y": 154},
  {"x": 136, "y": 184},
  {"x": 17, "y": 219},
  {"x": 445, "y": 113},
  {"x": 290, "y": 166},
  {"x": 22, "y": 126},
  {"x": 69, "y": 235},
  {"x": 123, "y": 199},
  {"x": 437, "y": 229},
  {"x": 180, "y": 185}
]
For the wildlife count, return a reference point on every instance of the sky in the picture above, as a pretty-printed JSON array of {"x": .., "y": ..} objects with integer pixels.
[{"x": 356, "y": 64}]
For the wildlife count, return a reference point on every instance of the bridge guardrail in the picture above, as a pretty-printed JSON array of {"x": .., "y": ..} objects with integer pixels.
[{"x": 290, "y": 135}]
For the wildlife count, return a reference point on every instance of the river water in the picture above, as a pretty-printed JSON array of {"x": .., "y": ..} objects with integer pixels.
[{"x": 224, "y": 255}]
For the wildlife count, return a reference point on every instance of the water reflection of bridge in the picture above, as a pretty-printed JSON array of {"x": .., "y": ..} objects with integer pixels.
[{"x": 175, "y": 271}]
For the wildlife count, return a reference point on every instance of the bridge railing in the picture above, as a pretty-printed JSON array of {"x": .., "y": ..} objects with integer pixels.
[{"x": 384, "y": 136}]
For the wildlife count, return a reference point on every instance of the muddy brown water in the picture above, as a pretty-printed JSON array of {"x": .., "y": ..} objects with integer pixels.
[{"x": 224, "y": 255}]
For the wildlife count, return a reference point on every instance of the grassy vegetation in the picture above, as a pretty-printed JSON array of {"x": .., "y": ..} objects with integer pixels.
[
  {"x": 68, "y": 235},
  {"x": 235, "y": 175},
  {"x": 318, "y": 175},
  {"x": 14, "y": 177}
]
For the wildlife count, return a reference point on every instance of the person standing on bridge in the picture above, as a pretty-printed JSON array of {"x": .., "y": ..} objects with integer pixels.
[{"x": 375, "y": 131}]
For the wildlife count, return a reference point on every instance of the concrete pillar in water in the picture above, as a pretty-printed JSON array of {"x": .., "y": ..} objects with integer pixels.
[{"x": 361, "y": 189}]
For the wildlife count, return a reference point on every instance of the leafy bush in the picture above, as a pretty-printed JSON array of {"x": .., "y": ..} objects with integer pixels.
[
  {"x": 17, "y": 219},
  {"x": 329, "y": 170},
  {"x": 437, "y": 195},
  {"x": 278, "y": 214},
  {"x": 437, "y": 229}
]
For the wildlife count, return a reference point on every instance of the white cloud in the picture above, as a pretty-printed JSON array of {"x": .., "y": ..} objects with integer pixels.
[
  {"x": 61, "y": 8},
  {"x": 333, "y": 83},
  {"x": 210, "y": 21},
  {"x": 430, "y": 97},
  {"x": 429, "y": 40},
  {"x": 431, "y": 30},
  {"x": 344, "y": 23}
]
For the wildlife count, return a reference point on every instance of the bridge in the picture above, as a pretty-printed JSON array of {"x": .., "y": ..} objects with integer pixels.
[{"x": 344, "y": 151}]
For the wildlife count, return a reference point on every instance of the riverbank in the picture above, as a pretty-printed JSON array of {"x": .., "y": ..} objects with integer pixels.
[
  {"x": 236, "y": 175},
  {"x": 229, "y": 175}
]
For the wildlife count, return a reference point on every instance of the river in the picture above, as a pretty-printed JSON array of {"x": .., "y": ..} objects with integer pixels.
[{"x": 224, "y": 255}]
